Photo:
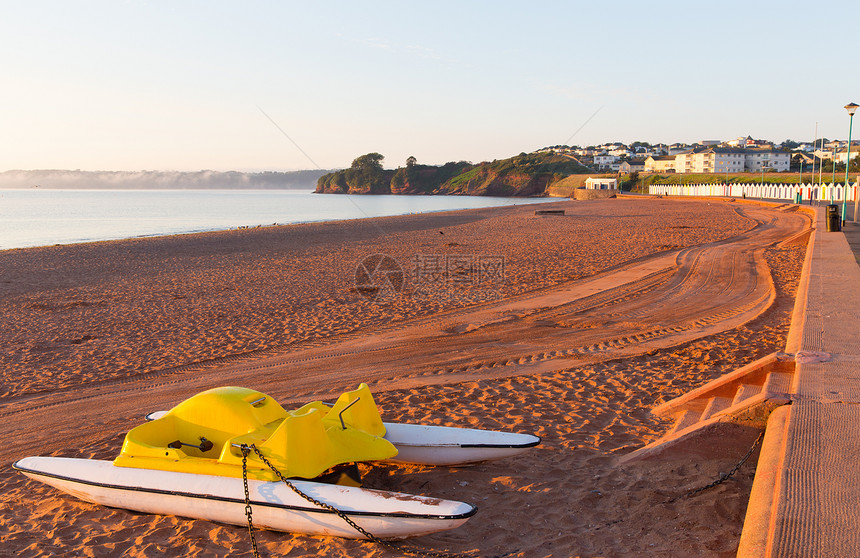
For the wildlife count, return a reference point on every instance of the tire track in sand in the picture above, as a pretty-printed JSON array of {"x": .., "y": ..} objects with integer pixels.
[{"x": 657, "y": 302}]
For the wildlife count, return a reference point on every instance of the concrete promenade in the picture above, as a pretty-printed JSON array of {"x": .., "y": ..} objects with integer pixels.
[{"x": 805, "y": 500}]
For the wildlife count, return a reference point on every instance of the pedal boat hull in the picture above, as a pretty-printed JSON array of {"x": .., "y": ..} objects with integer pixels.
[
  {"x": 387, "y": 515},
  {"x": 445, "y": 445},
  {"x": 451, "y": 446}
]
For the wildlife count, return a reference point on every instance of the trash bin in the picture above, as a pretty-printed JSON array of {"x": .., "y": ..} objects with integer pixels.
[{"x": 834, "y": 220}]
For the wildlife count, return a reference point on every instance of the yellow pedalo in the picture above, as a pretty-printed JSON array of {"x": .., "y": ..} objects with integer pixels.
[
  {"x": 204, "y": 435},
  {"x": 189, "y": 463}
]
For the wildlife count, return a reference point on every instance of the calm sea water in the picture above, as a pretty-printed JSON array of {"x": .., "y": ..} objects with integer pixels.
[{"x": 42, "y": 217}]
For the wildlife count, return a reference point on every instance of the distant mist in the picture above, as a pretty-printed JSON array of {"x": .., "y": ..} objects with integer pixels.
[{"x": 151, "y": 180}]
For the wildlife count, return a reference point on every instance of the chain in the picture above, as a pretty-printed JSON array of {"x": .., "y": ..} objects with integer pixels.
[
  {"x": 246, "y": 450},
  {"x": 723, "y": 476}
]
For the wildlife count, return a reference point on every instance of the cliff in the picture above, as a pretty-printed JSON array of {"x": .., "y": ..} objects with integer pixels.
[
  {"x": 525, "y": 175},
  {"x": 425, "y": 179},
  {"x": 365, "y": 176}
]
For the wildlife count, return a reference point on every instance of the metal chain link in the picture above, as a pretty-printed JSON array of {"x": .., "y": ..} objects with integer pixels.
[
  {"x": 723, "y": 476},
  {"x": 246, "y": 450}
]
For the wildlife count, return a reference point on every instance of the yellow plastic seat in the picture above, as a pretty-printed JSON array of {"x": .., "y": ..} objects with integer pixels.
[{"x": 201, "y": 435}]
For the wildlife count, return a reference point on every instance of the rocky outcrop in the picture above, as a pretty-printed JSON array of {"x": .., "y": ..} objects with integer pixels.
[
  {"x": 487, "y": 181},
  {"x": 425, "y": 179},
  {"x": 525, "y": 175}
]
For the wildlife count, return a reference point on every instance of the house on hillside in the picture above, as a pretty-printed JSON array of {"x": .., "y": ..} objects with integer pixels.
[
  {"x": 798, "y": 157},
  {"x": 631, "y": 165},
  {"x": 748, "y": 142},
  {"x": 605, "y": 160},
  {"x": 621, "y": 152},
  {"x": 611, "y": 146},
  {"x": 660, "y": 163},
  {"x": 824, "y": 155},
  {"x": 842, "y": 156}
]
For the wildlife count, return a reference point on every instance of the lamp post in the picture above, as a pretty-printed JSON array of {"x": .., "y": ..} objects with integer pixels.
[
  {"x": 821, "y": 170},
  {"x": 801, "y": 173},
  {"x": 851, "y": 108},
  {"x": 815, "y": 141},
  {"x": 833, "y": 167}
]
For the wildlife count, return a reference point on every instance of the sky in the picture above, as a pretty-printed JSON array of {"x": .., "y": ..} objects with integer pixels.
[{"x": 283, "y": 85}]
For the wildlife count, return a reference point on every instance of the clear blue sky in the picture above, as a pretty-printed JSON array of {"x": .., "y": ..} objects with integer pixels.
[{"x": 172, "y": 85}]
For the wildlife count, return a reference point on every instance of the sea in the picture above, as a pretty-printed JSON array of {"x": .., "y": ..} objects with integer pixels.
[{"x": 45, "y": 217}]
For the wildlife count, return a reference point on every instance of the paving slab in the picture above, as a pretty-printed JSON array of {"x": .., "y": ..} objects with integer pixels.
[
  {"x": 818, "y": 512},
  {"x": 852, "y": 235}
]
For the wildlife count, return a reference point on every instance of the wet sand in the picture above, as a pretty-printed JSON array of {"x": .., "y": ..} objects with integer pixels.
[{"x": 89, "y": 315}]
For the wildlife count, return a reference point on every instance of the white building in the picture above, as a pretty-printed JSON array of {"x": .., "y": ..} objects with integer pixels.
[
  {"x": 842, "y": 156},
  {"x": 611, "y": 146},
  {"x": 713, "y": 160},
  {"x": 605, "y": 160},
  {"x": 726, "y": 160},
  {"x": 660, "y": 163},
  {"x": 601, "y": 183},
  {"x": 756, "y": 160},
  {"x": 823, "y": 155},
  {"x": 633, "y": 165},
  {"x": 620, "y": 152}
]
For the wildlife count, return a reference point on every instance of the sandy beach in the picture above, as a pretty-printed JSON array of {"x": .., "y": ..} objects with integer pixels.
[{"x": 93, "y": 336}]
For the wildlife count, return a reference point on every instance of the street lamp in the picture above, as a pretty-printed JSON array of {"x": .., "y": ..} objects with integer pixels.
[
  {"x": 801, "y": 173},
  {"x": 833, "y": 166},
  {"x": 851, "y": 108}
]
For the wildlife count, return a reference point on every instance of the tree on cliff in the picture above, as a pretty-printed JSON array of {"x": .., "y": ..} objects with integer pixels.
[
  {"x": 365, "y": 176},
  {"x": 368, "y": 163}
]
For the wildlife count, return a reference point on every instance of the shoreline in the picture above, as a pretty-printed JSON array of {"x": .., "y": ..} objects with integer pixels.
[
  {"x": 292, "y": 288},
  {"x": 296, "y": 219}
]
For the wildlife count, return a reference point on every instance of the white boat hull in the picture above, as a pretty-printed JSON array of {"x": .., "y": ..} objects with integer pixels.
[
  {"x": 275, "y": 506},
  {"x": 445, "y": 445},
  {"x": 449, "y": 446}
]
